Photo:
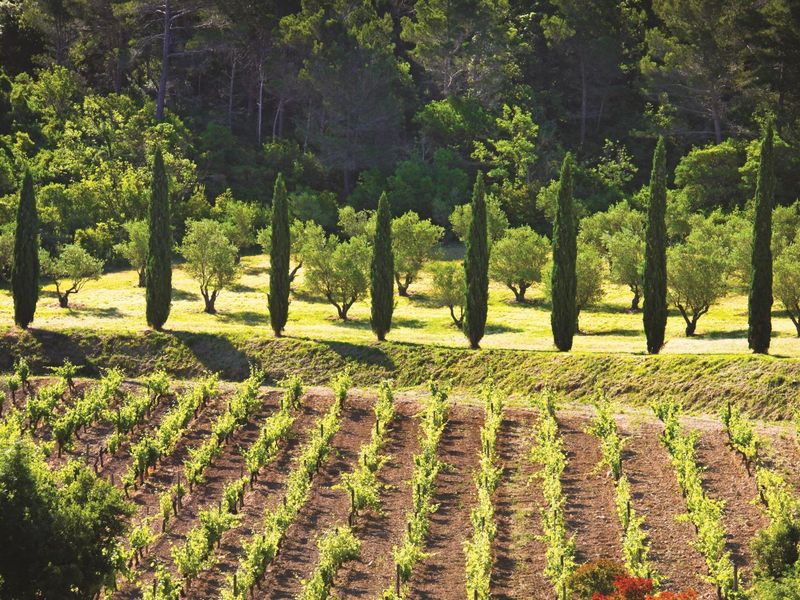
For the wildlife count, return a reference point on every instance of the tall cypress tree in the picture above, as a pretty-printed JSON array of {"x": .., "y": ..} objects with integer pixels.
[
  {"x": 760, "y": 299},
  {"x": 25, "y": 268},
  {"x": 655, "y": 254},
  {"x": 563, "y": 280},
  {"x": 279, "y": 259},
  {"x": 476, "y": 267},
  {"x": 382, "y": 271},
  {"x": 158, "y": 273}
]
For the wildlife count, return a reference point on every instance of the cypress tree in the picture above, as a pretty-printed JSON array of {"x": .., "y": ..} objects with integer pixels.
[
  {"x": 25, "y": 267},
  {"x": 760, "y": 299},
  {"x": 655, "y": 254},
  {"x": 476, "y": 268},
  {"x": 158, "y": 273},
  {"x": 563, "y": 280},
  {"x": 382, "y": 271},
  {"x": 279, "y": 259}
]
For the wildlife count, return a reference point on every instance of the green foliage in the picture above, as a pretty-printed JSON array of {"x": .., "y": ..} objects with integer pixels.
[
  {"x": 760, "y": 297},
  {"x": 596, "y": 577},
  {"x": 563, "y": 278},
  {"x": 655, "y": 254},
  {"x": 279, "y": 253},
  {"x": 210, "y": 259},
  {"x": 336, "y": 547},
  {"x": 449, "y": 289},
  {"x": 414, "y": 243},
  {"x": 381, "y": 271},
  {"x": 548, "y": 452},
  {"x": 478, "y": 549},
  {"x": 476, "y": 268},
  {"x": 59, "y": 528},
  {"x": 261, "y": 549},
  {"x": 75, "y": 265},
  {"x": 427, "y": 465},
  {"x": 338, "y": 271},
  {"x": 517, "y": 259},
  {"x": 696, "y": 276},
  {"x": 626, "y": 260},
  {"x": 787, "y": 282},
  {"x": 589, "y": 272},
  {"x": 135, "y": 249},
  {"x": 158, "y": 274},
  {"x": 238, "y": 220},
  {"x": 709, "y": 176},
  {"x": 25, "y": 266},
  {"x": 497, "y": 221}
]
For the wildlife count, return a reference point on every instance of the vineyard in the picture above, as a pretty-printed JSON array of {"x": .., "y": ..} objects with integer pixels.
[{"x": 244, "y": 491}]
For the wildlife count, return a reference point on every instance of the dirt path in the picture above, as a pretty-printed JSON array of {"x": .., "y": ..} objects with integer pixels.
[
  {"x": 441, "y": 575},
  {"x": 267, "y": 492},
  {"x": 325, "y": 508},
  {"x": 726, "y": 478},
  {"x": 657, "y": 497},
  {"x": 590, "y": 509},
  {"x": 373, "y": 572},
  {"x": 519, "y": 556}
]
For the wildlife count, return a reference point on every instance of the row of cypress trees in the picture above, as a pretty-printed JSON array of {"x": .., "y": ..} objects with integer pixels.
[{"x": 25, "y": 269}]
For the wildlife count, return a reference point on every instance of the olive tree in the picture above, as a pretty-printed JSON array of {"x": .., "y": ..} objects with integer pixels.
[
  {"x": 210, "y": 259},
  {"x": 237, "y": 218},
  {"x": 299, "y": 231},
  {"x": 337, "y": 270},
  {"x": 697, "y": 273},
  {"x": 786, "y": 285},
  {"x": 589, "y": 274},
  {"x": 496, "y": 219},
  {"x": 72, "y": 269},
  {"x": 517, "y": 259},
  {"x": 626, "y": 262},
  {"x": 135, "y": 249},
  {"x": 414, "y": 241},
  {"x": 448, "y": 289}
]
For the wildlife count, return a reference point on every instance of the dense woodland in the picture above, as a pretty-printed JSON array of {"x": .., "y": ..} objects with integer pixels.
[{"x": 349, "y": 98}]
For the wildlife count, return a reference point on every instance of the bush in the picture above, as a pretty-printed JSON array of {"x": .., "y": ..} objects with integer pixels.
[
  {"x": 775, "y": 549},
  {"x": 596, "y": 577}
]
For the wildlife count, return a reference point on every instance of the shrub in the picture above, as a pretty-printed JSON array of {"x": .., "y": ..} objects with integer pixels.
[
  {"x": 775, "y": 549},
  {"x": 596, "y": 577}
]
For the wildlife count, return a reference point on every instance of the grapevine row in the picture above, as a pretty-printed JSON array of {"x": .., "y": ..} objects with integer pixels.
[
  {"x": 135, "y": 408},
  {"x": 478, "y": 550},
  {"x": 741, "y": 435},
  {"x": 340, "y": 545},
  {"x": 635, "y": 547},
  {"x": 548, "y": 451},
  {"x": 426, "y": 468},
  {"x": 263, "y": 547},
  {"x": 704, "y": 512}
]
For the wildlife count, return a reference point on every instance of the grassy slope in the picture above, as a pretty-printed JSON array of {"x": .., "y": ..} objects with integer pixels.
[
  {"x": 767, "y": 387},
  {"x": 115, "y": 304}
]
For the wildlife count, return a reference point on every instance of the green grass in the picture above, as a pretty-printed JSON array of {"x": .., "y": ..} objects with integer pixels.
[{"x": 115, "y": 304}]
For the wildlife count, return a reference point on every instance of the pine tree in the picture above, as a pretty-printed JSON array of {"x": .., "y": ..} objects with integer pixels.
[
  {"x": 760, "y": 299},
  {"x": 476, "y": 268},
  {"x": 563, "y": 280},
  {"x": 655, "y": 261},
  {"x": 279, "y": 259},
  {"x": 25, "y": 268},
  {"x": 158, "y": 274},
  {"x": 382, "y": 271}
]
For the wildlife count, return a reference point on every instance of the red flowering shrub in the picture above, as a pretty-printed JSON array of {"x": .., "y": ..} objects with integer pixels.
[{"x": 638, "y": 588}]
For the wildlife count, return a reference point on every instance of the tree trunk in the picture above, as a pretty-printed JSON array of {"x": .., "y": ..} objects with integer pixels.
[
  {"x": 162, "y": 82},
  {"x": 230, "y": 93},
  {"x": 457, "y": 321},
  {"x": 142, "y": 277},
  {"x": 691, "y": 327},
  {"x": 63, "y": 300},
  {"x": 260, "y": 104},
  {"x": 209, "y": 300},
  {"x": 717, "y": 124},
  {"x": 635, "y": 302}
]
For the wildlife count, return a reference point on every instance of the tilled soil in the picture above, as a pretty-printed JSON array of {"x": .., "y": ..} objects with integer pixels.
[
  {"x": 657, "y": 497},
  {"x": 591, "y": 512},
  {"x": 227, "y": 467},
  {"x": 373, "y": 571},
  {"x": 265, "y": 494},
  {"x": 727, "y": 479},
  {"x": 441, "y": 574},
  {"x": 519, "y": 556},
  {"x": 326, "y": 507}
]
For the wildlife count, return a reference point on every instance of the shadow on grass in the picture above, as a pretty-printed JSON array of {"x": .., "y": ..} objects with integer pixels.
[
  {"x": 244, "y": 317},
  {"x": 238, "y": 287},
  {"x": 215, "y": 352},
  {"x": 184, "y": 295},
  {"x": 621, "y": 331},
  {"x": 371, "y": 355},
  {"x": 104, "y": 312},
  {"x": 56, "y": 347},
  {"x": 500, "y": 328},
  {"x": 721, "y": 334}
]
